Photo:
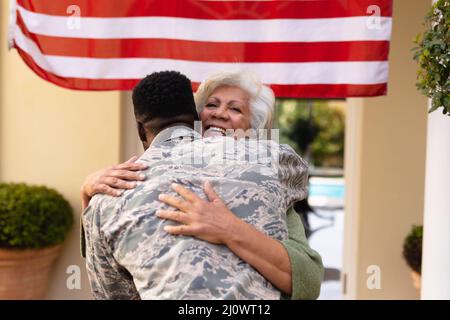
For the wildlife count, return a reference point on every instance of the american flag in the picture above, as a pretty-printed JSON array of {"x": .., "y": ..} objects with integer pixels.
[{"x": 302, "y": 49}]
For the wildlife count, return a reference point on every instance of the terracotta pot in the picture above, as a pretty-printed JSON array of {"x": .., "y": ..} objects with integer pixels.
[{"x": 24, "y": 274}]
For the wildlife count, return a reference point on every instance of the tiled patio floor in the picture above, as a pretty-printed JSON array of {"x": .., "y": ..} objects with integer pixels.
[{"x": 328, "y": 241}]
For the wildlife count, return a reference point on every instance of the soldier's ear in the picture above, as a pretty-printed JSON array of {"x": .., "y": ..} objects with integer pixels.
[
  {"x": 141, "y": 132},
  {"x": 142, "y": 135}
]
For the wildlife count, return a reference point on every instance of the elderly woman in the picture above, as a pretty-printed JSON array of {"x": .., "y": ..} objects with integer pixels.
[{"x": 232, "y": 100}]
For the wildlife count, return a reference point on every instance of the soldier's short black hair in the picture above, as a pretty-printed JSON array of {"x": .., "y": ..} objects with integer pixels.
[{"x": 164, "y": 95}]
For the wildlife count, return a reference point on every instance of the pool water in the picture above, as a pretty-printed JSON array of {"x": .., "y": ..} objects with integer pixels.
[
  {"x": 326, "y": 191},
  {"x": 333, "y": 191}
]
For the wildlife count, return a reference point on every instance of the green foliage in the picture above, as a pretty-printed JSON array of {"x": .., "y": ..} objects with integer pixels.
[
  {"x": 433, "y": 57},
  {"x": 303, "y": 132},
  {"x": 316, "y": 128},
  {"x": 32, "y": 216},
  {"x": 412, "y": 248}
]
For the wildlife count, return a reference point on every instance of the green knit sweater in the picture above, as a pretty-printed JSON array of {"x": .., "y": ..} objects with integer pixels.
[{"x": 306, "y": 264}]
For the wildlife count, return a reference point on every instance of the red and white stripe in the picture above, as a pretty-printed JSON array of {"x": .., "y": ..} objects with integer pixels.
[{"x": 320, "y": 49}]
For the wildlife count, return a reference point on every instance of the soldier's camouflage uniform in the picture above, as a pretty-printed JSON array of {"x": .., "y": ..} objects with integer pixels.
[{"x": 130, "y": 256}]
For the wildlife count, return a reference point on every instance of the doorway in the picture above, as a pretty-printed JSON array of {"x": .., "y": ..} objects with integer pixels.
[{"x": 316, "y": 130}]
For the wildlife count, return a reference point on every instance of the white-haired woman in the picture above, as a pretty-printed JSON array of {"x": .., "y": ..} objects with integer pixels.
[
  {"x": 249, "y": 103},
  {"x": 238, "y": 101}
]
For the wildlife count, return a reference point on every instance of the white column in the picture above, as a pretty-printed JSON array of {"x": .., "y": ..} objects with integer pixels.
[{"x": 436, "y": 241}]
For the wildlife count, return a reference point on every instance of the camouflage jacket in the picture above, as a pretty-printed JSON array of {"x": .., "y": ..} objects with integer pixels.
[{"x": 130, "y": 256}]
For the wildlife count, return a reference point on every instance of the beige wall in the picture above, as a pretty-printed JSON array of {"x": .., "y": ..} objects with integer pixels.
[
  {"x": 54, "y": 136},
  {"x": 385, "y": 163}
]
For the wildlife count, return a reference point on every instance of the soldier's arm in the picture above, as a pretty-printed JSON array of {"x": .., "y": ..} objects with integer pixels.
[
  {"x": 306, "y": 264},
  {"x": 293, "y": 174},
  {"x": 107, "y": 278}
]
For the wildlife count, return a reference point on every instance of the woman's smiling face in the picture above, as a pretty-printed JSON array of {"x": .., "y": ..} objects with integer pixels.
[{"x": 228, "y": 107}]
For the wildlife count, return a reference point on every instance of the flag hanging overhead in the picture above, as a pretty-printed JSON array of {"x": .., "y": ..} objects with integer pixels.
[{"x": 302, "y": 48}]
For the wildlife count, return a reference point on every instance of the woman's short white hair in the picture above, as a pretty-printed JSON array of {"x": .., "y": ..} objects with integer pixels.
[{"x": 262, "y": 99}]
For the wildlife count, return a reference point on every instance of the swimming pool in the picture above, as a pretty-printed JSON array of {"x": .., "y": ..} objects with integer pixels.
[{"x": 326, "y": 191}]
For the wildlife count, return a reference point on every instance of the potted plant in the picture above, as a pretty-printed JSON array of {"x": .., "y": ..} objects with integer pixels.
[
  {"x": 432, "y": 55},
  {"x": 412, "y": 252},
  {"x": 34, "y": 221}
]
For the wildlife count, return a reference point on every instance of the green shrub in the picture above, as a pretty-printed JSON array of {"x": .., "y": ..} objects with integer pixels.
[
  {"x": 32, "y": 216},
  {"x": 314, "y": 129},
  {"x": 433, "y": 57},
  {"x": 412, "y": 248}
]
